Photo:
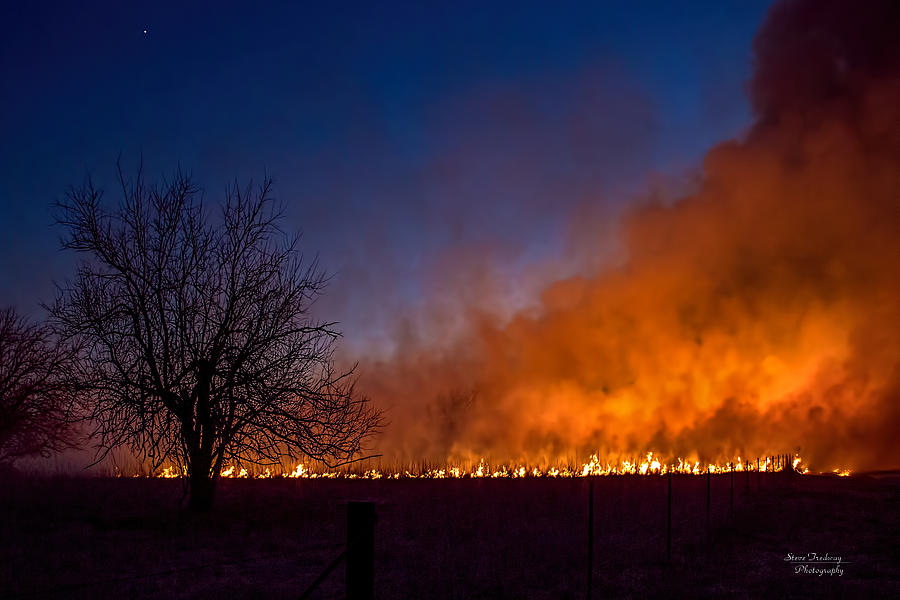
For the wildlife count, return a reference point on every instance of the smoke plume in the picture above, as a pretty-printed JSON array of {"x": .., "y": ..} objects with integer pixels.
[{"x": 759, "y": 313}]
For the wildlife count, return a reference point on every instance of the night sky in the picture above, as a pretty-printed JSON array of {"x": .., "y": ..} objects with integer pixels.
[{"x": 397, "y": 135}]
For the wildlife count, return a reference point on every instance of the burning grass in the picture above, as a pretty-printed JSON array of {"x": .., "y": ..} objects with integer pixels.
[{"x": 649, "y": 464}]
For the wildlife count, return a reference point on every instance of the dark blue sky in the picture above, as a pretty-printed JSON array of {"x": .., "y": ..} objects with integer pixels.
[{"x": 397, "y": 135}]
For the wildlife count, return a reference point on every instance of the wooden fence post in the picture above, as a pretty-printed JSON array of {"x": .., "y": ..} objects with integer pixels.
[{"x": 360, "y": 550}]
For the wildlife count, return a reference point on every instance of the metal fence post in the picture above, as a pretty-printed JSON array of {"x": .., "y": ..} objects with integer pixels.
[
  {"x": 708, "y": 479},
  {"x": 590, "y": 540},
  {"x": 669, "y": 521},
  {"x": 732, "y": 490}
]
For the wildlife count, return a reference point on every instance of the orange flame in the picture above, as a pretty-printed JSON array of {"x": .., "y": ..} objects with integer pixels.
[{"x": 594, "y": 467}]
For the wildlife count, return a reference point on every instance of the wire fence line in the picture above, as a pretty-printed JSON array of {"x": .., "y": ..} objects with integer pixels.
[
  {"x": 356, "y": 539},
  {"x": 331, "y": 567}
]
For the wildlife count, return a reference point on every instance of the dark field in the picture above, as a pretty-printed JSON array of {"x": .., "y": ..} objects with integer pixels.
[{"x": 127, "y": 538}]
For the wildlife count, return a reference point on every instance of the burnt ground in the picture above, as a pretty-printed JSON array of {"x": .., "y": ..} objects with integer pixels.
[{"x": 128, "y": 538}]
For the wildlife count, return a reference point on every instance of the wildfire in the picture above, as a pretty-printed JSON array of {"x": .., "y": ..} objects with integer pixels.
[
  {"x": 171, "y": 473},
  {"x": 799, "y": 469},
  {"x": 650, "y": 464}
]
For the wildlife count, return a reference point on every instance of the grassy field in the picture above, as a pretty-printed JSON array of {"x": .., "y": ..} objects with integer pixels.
[{"x": 127, "y": 538}]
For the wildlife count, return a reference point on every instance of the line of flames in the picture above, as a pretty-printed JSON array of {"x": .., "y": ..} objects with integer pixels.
[{"x": 594, "y": 467}]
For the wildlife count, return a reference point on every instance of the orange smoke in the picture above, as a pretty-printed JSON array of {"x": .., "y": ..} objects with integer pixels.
[{"x": 759, "y": 314}]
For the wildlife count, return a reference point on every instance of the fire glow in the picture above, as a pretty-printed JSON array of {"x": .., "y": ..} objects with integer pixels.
[
  {"x": 594, "y": 467},
  {"x": 748, "y": 309}
]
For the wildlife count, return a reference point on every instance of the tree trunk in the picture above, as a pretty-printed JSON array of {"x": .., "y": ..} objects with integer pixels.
[
  {"x": 202, "y": 484},
  {"x": 203, "y": 489},
  {"x": 203, "y": 480}
]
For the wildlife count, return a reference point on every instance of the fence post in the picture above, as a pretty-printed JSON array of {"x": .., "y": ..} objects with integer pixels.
[
  {"x": 590, "y": 540},
  {"x": 669, "y": 521},
  {"x": 732, "y": 490},
  {"x": 757, "y": 473},
  {"x": 360, "y": 550},
  {"x": 708, "y": 478}
]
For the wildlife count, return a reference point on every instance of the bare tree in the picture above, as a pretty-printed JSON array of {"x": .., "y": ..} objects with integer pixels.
[
  {"x": 33, "y": 393},
  {"x": 197, "y": 345}
]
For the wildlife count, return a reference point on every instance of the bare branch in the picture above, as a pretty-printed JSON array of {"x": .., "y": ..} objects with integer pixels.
[
  {"x": 34, "y": 395},
  {"x": 196, "y": 343}
]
